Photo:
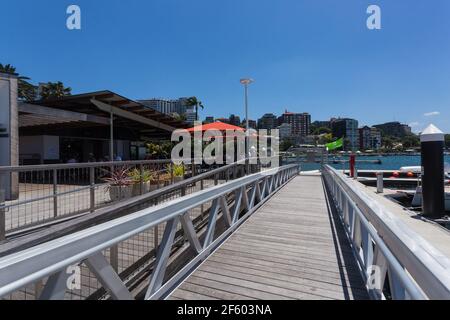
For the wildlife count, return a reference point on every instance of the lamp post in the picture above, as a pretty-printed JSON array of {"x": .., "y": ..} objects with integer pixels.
[{"x": 246, "y": 82}]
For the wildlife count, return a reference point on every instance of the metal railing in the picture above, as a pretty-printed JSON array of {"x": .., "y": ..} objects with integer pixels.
[
  {"x": 231, "y": 203},
  {"x": 396, "y": 262},
  {"x": 55, "y": 192}
]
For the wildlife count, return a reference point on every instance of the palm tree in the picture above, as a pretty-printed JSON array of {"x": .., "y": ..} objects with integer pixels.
[
  {"x": 26, "y": 91},
  {"x": 55, "y": 90},
  {"x": 194, "y": 102}
]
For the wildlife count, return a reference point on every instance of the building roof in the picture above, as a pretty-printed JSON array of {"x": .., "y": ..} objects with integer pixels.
[{"x": 147, "y": 121}]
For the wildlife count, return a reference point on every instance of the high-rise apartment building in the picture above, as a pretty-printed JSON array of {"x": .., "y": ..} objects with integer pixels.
[{"x": 300, "y": 122}]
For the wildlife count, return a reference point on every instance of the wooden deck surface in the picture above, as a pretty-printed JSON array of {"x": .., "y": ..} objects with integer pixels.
[{"x": 293, "y": 247}]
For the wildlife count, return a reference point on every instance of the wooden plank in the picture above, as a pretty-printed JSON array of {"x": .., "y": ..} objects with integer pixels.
[
  {"x": 218, "y": 285},
  {"x": 291, "y": 248}
]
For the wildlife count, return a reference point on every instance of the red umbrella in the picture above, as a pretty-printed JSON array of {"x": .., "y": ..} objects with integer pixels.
[{"x": 219, "y": 126}]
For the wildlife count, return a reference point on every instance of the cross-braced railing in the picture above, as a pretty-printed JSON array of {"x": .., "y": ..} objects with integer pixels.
[
  {"x": 232, "y": 203},
  {"x": 396, "y": 263}
]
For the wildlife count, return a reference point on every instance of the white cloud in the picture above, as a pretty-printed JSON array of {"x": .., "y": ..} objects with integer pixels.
[
  {"x": 414, "y": 124},
  {"x": 430, "y": 114}
]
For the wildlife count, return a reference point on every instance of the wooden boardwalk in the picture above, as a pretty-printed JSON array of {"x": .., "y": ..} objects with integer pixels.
[{"x": 293, "y": 247}]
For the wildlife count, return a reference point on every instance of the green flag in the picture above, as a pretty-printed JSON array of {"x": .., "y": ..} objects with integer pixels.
[{"x": 335, "y": 144}]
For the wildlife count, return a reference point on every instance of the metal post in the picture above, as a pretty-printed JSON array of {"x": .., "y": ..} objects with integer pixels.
[
  {"x": 114, "y": 257},
  {"x": 55, "y": 193},
  {"x": 92, "y": 189},
  {"x": 2, "y": 215},
  {"x": 141, "y": 182},
  {"x": 380, "y": 182},
  {"x": 202, "y": 206},
  {"x": 155, "y": 237},
  {"x": 433, "y": 189},
  {"x": 111, "y": 136}
]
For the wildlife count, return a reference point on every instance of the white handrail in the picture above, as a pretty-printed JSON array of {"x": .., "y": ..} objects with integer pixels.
[{"x": 421, "y": 261}]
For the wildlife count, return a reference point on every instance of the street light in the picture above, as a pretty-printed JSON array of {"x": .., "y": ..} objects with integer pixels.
[{"x": 246, "y": 82}]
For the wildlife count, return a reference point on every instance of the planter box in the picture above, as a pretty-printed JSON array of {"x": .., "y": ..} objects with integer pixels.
[
  {"x": 146, "y": 188},
  {"x": 177, "y": 179},
  {"x": 120, "y": 192}
]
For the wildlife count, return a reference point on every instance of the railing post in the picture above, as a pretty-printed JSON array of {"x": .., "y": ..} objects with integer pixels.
[
  {"x": 114, "y": 257},
  {"x": 379, "y": 182},
  {"x": 92, "y": 188},
  {"x": 202, "y": 209},
  {"x": 141, "y": 182},
  {"x": 155, "y": 232},
  {"x": 2, "y": 215},
  {"x": 55, "y": 193}
]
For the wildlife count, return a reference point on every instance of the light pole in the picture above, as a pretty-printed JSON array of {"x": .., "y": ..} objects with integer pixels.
[{"x": 246, "y": 82}]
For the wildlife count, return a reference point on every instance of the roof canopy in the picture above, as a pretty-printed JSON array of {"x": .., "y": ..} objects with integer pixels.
[{"x": 128, "y": 114}]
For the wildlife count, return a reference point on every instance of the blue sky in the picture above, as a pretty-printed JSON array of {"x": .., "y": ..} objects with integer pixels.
[{"x": 313, "y": 56}]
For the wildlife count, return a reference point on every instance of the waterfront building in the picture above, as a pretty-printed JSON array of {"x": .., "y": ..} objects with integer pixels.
[
  {"x": 347, "y": 128},
  {"x": 285, "y": 130},
  {"x": 251, "y": 123},
  {"x": 300, "y": 122},
  {"x": 268, "y": 121},
  {"x": 191, "y": 115},
  {"x": 321, "y": 124},
  {"x": 78, "y": 127},
  {"x": 209, "y": 120},
  {"x": 394, "y": 129},
  {"x": 167, "y": 106},
  {"x": 224, "y": 120},
  {"x": 234, "y": 120},
  {"x": 369, "y": 138}
]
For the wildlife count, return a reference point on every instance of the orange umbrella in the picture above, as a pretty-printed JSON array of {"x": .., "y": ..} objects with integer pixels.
[{"x": 220, "y": 126}]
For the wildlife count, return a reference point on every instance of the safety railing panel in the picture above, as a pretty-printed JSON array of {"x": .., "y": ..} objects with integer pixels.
[
  {"x": 53, "y": 192},
  {"x": 46, "y": 270},
  {"x": 396, "y": 262}
]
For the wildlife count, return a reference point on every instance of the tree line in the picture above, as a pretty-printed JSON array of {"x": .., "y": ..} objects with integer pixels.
[{"x": 26, "y": 91}]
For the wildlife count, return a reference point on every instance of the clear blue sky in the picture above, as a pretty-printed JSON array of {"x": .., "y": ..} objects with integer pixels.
[{"x": 305, "y": 55}]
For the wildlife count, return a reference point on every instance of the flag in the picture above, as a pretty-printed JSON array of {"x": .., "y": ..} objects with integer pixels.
[{"x": 335, "y": 144}]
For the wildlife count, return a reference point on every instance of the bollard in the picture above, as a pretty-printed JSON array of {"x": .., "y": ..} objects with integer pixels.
[
  {"x": 432, "y": 156},
  {"x": 380, "y": 182},
  {"x": 2, "y": 215},
  {"x": 352, "y": 165}
]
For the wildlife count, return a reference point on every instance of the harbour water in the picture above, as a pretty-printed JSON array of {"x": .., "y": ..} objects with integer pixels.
[{"x": 387, "y": 162}]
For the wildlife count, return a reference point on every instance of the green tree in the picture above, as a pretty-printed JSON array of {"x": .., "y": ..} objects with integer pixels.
[
  {"x": 26, "y": 91},
  {"x": 447, "y": 140},
  {"x": 321, "y": 130},
  {"x": 55, "y": 90},
  {"x": 325, "y": 138},
  {"x": 159, "y": 150},
  {"x": 286, "y": 144},
  {"x": 179, "y": 117},
  {"x": 388, "y": 142},
  {"x": 194, "y": 102},
  {"x": 410, "y": 141}
]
